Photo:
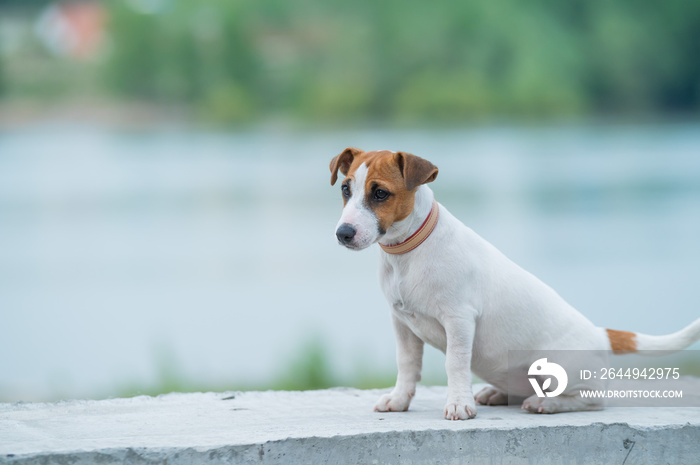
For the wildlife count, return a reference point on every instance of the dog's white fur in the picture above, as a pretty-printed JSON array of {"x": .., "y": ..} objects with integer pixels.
[
  {"x": 471, "y": 302},
  {"x": 461, "y": 295}
]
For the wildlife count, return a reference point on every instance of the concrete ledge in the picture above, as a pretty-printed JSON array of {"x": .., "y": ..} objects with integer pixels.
[{"x": 335, "y": 426}]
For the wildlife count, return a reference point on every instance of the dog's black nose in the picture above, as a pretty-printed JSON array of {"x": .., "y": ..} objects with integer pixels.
[{"x": 345, "y": 233}]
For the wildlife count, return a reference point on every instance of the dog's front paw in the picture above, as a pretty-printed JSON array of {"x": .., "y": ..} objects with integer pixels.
[
  {"x": 461, "y": 409},
  {"x": 394, "y": 402},
  {"x": 561, "y": 403},
  {"x": 534, "y": 404},
  {"x": 491, "y": 396}
]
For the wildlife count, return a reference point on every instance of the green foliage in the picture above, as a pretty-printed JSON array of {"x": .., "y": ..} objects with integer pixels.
[
  {"x": 411, "y": 60},
  {"x": 2, "y": 78},
  {"x": 227, "y": 102},
  {"x": 309, "y": 369}
]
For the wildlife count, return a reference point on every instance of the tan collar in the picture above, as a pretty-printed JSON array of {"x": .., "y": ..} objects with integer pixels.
[{"x": 417, "y": 237}]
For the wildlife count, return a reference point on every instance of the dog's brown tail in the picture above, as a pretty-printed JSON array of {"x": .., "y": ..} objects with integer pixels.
[{"x": 626, "y": 342}]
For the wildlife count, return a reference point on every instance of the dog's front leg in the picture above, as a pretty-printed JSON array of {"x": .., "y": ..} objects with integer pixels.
[
  {"x": 409, "y": 360},
  {"x": 460, "y": 338}
]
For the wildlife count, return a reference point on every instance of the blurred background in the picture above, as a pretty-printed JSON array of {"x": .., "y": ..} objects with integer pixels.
[{"x": 166, "y": 218}]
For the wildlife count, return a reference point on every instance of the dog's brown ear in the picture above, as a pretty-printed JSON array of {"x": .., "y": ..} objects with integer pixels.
[
  {"x": 342, "y": 162},
  {"x": 415, "y": 170}
]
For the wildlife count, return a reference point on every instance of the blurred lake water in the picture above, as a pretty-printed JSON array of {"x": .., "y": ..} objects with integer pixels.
[{"x": 215, "y": 252}]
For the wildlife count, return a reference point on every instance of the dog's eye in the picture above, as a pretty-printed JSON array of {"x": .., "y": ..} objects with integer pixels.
[
  {"x": 346, "y": 190},
  {"x": 380, "y": 194}
]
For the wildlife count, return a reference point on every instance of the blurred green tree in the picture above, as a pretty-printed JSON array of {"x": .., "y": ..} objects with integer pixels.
[{"x": 410, "y": 60}]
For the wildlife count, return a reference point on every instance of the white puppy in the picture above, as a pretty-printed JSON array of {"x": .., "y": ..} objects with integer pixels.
[{"x": 450, "y": 288}]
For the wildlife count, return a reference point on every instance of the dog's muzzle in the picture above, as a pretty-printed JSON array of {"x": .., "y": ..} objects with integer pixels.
[{"x": 345, "y": 234}]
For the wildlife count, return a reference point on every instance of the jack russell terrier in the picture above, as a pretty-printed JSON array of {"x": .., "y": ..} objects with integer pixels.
[{"x": 452, "y": 289}]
